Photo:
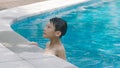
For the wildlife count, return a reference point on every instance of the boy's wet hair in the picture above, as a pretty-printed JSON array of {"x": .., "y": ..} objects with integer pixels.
[{"x": 60, "y": 25}]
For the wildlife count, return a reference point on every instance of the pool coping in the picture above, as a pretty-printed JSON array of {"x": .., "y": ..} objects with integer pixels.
[{"x": 8, "y": 16}]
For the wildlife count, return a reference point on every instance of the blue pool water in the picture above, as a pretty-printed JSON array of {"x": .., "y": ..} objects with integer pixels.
[{"x": 93, "y": 36}]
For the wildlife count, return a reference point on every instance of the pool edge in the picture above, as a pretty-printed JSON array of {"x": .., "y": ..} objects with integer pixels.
[{"x": 8, "y": 16}]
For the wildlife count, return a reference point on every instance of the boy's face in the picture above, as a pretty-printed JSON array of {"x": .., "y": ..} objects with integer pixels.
[{"x": 49, "y": 31}]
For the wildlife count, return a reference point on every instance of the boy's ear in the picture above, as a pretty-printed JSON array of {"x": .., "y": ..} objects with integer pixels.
[{"x": 58, "y": 33}]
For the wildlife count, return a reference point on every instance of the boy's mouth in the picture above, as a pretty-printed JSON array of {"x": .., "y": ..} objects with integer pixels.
[{"x": 44, "y": 32}]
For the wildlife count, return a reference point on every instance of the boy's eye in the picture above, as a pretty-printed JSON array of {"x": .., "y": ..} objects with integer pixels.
[{"x": 48, "y": 27}]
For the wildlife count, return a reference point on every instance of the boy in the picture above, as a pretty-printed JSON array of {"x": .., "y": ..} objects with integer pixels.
[{"x": 54, "y": 30}]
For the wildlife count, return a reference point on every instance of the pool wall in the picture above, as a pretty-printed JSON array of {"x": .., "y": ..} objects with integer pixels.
[{"x": 29, "y": 56}]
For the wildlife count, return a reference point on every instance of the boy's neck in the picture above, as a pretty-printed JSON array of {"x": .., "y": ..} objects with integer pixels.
[{"x": 55, "y": 41}]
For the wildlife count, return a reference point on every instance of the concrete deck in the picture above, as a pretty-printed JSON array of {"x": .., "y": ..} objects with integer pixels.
[
  {"x": 5, "y": 4},
  {"x": 24, "y": 56},
  {"x": 15, "y": 50}
]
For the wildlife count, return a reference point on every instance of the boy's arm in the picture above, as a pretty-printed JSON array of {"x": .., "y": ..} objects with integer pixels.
[{"x": 33, "y": 43}]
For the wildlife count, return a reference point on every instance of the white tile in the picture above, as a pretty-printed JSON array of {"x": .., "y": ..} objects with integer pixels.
[
  {"x": 50, "y": 62},
  {"x": 26, "y": 51},
  {"x": 7, "y": 55},
  {"x": 22, "y": 48},
  {"x": 16, "y": 64},
  {"x": 30, "y": 55}
]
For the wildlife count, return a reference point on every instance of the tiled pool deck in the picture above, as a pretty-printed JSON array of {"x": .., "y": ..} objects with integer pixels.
[{"x": 15, "y": 50}]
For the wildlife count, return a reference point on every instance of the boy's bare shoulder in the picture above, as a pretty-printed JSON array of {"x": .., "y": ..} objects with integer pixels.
[
  {"x": 61, "y": 48},
  {"x": 61, "y": 52}
]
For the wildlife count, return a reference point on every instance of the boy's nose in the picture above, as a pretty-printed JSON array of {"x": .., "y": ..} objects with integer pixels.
[{"x": 44, "y": 29}]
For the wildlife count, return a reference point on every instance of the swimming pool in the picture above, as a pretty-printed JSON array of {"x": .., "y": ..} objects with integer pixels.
[{"x": 93, "y": 36}]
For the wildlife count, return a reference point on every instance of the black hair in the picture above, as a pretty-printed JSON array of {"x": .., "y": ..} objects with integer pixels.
[{"x": 59, "y": 24}]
